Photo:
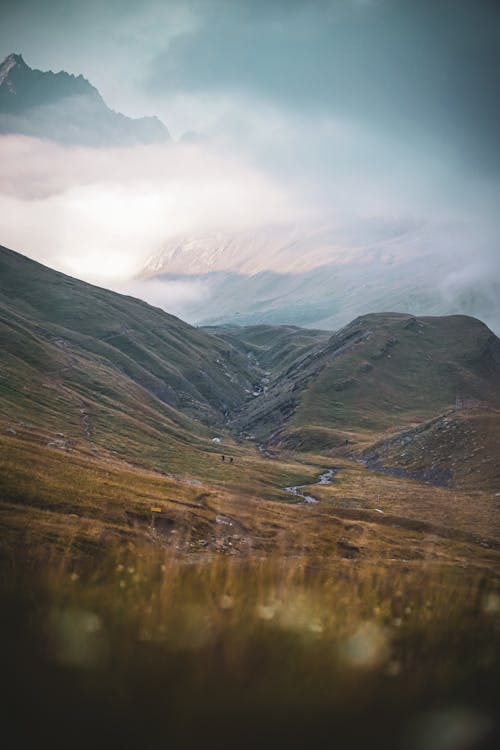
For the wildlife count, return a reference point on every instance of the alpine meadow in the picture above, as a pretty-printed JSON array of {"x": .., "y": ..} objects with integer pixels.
[{"x": 250, "y": 374}]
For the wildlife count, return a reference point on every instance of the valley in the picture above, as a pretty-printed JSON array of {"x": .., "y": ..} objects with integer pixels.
[
  {"x": 252, "y": 507},
  {"x": 250, "y": 375},
  {"x": 400, "y": 406}
]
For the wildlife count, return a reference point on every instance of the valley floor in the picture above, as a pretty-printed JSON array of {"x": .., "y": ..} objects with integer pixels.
[
  {"x": 78, "y": 501},
  {"x": 214, "y": 607}
]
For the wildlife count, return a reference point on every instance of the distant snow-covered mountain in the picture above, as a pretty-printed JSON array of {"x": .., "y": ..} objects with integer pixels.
[
  {"x": 66, "y": 108},
  {"x": 282, "y": 248},
  {"x": 325, "y": 276}
]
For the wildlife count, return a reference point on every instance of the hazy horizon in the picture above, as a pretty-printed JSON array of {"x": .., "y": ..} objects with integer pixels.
[{"x": 309, "y": 114}]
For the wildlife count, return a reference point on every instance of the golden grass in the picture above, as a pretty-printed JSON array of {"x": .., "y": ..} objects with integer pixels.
[
  {"x": 86, "y": 501},
  {"x": 238, "y": 614},
  {"x": 142, "y": 644}
]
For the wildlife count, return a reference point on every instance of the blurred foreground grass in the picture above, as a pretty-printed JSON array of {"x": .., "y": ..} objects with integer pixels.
[{"x": 143, "y": 647}]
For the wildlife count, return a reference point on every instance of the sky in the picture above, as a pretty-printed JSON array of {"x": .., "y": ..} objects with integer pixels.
[{"x": 308, "y": 110}]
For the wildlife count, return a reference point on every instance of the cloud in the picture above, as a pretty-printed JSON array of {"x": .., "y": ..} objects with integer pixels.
[
  {"x": 327, "y": 113},
  {"x": 177, "y": 297},
  {"x": 98, "y": 213},
  {"x": 421, "y": 71}
]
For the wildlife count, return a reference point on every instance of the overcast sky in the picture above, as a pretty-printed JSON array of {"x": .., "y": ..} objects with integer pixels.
[
  {"x": 310, "y": 108},
  {"x": 425, "y": 70}
]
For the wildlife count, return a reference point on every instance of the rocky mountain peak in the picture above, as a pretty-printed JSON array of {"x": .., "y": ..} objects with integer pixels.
[
  {"x": 11, "y": 62},
  {"x": 66, "y": 108}
]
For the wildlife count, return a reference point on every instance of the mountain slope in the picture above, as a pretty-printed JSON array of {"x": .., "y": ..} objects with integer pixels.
[
  {"x": 381, "y": 372},
  {"x": 111, "y": 372},
  {"x": 460, "y": 446},
  {"x": 67, "y": 109},
  {"x": 107, "y": 368}
]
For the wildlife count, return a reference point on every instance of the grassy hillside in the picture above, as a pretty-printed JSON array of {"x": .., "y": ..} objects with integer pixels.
[
  {"x": 367, "y": 613},
  {"x": 82, "y": 359},
  {"x": 404, "y": 369},
  {"x": 88, "y": 503},
  {"x": 459, "y": 447},
  {"x": 108, "y": 369},
  {"x": 379, "y": 373},
  {"x": 96, "y": 371}
]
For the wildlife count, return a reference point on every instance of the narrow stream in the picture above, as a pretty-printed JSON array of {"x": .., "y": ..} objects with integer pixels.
[{"x": 325, "y": 478}]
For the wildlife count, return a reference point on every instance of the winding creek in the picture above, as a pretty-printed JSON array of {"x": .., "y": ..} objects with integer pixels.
[{"x": 325, "y": 478}]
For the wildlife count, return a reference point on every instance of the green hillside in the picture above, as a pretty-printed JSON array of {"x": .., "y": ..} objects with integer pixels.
[
  {"x": 117, "y": 373},
  {"x": 108, "y": 369},
  {"x": 460, "y": 447},
  {"x": 381, "y": 372}
]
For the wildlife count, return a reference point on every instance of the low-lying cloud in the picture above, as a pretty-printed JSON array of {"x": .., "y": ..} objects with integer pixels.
[
  {"x": 351, "y": 115},
  {"x": 176, "y": 297},
  {"x": 99, "y": 213}
]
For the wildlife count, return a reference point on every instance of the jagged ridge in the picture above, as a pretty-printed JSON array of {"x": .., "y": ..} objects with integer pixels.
[{"x": 66, "y": 108}]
